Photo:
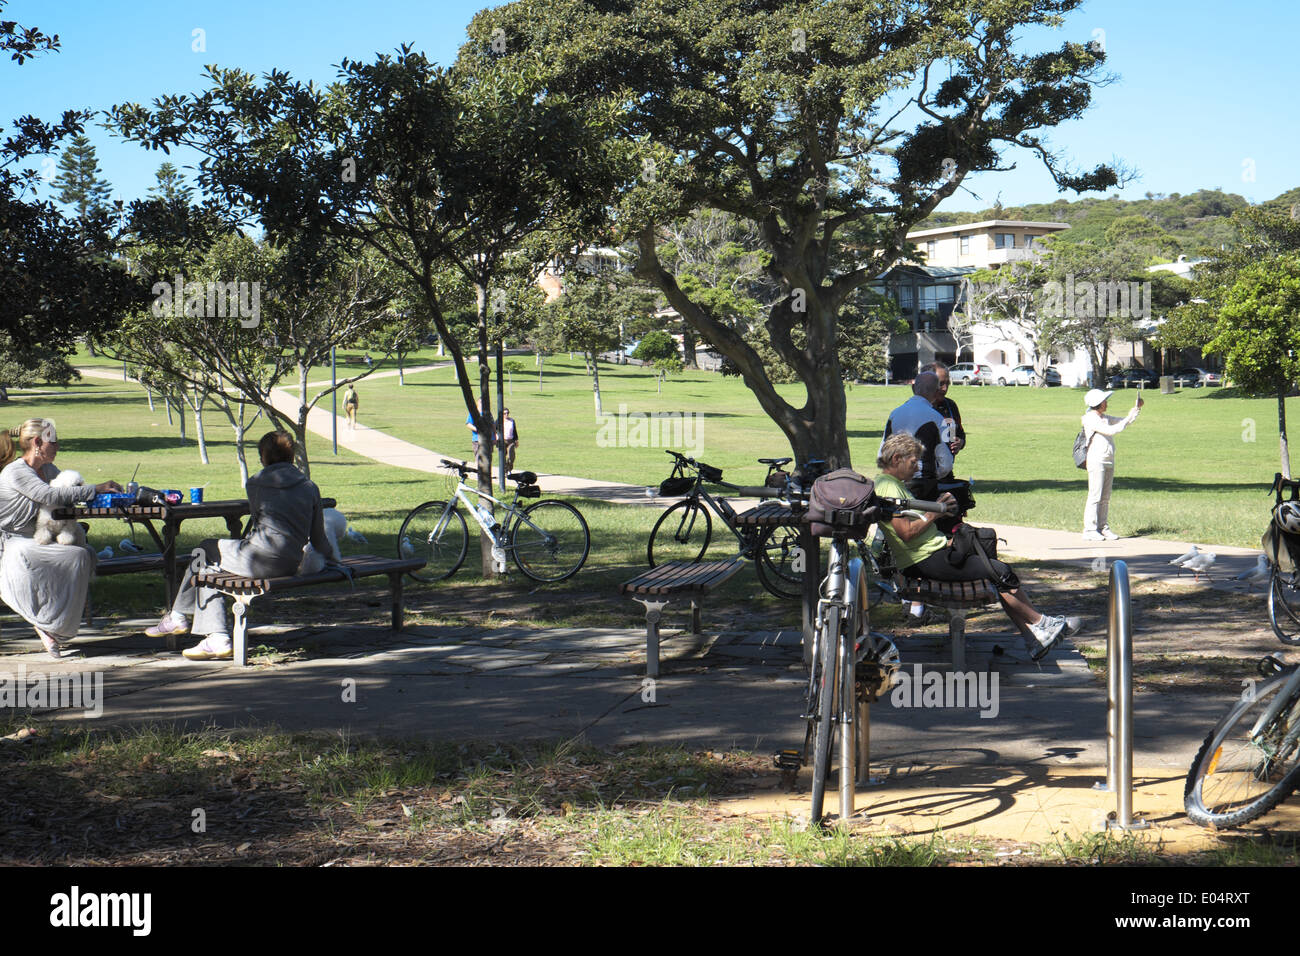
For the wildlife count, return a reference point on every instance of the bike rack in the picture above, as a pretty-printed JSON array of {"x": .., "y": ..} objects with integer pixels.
[{"x": 1119, "y": 703}]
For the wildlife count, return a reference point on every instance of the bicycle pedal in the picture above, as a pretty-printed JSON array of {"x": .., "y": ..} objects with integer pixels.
[
  {"x": 1270, "y": 665},
  {"x": 788, "y": 761}
]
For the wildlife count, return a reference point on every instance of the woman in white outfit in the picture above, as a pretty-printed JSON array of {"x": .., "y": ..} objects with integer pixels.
[
  {"x": 1099, "y": 430},
  {"x": 45, "y": 584}
]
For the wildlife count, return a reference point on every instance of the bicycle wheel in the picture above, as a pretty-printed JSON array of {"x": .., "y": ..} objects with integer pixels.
[
  {"x": 434, "y": 531},
  {"x": 1284, "y": 607},
  {"x": 682, "y": 533},
  {"x": 550, "y": 541},
  {"x": 825, "y": 716},
  {"x": 775, "y": 555},
  {"x": 1236, "y": 778}
]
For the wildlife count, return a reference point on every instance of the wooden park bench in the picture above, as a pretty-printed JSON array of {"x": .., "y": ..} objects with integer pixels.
[
  {"x": 676, "y": 579},
  {"x": 956, "y": 597},
  {"x": 244, "y": 589}
]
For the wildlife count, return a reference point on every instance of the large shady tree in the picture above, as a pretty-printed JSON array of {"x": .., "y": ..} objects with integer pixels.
[
  {"x": 814, "y": 120},
  {"x": 432, "y": 169}
]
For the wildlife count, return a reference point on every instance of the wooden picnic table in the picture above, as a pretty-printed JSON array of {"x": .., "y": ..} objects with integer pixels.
[{"x": 171, "y": 517}]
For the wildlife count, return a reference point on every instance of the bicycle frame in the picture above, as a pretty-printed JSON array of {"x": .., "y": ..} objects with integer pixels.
[
  {"x": 511, "y": 513},
  {"x": 1283, "y": 699}
]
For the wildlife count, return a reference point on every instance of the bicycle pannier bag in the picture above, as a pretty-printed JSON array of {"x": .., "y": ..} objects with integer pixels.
[
  {"x": 841, "y": 502},
  {"x": 676, "y": 487}
]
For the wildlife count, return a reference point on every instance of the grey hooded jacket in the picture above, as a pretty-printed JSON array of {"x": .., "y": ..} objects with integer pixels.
[{"x": 286, "y": 514}]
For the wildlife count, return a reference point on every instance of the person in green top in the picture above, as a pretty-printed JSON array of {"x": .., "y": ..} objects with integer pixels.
[{"x": 921, "y": 551}]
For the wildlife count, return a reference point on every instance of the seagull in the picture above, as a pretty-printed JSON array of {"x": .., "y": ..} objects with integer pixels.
[
  {"x": 1259, "y": 574},
  {"x": 354, "y": 535},
  {"x": 107, "y": 552},
  {"x": 1181, "y": 560},
  {"x": 408, "y": 549},
  {"x": 1201, "y": 564},
  {"x": 129, "y": 546}
]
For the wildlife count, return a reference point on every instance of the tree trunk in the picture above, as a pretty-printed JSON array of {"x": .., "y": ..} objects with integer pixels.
[
  {"x": 401, "y": 370},
  {"x": 90, "y": 347},
  {"x": 198, "y": 427},
  {"x": 541, "y": 361},
  {"x": 688, "y": 346},
  {"x": 149, "y": 392},
  {"x": 1281, "y": 432},
  {"x": 168, "y": 402},
  {"x": 180, "y": 418},
  {"x": 483, "y": 460},
  {"x": 594, "y": 368}
]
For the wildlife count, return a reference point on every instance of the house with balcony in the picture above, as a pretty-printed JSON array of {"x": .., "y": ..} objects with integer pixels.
[{"x": 927, "y": 292}]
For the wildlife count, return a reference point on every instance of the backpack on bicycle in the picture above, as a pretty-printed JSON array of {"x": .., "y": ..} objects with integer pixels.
[{"x": 842, "y": 503}]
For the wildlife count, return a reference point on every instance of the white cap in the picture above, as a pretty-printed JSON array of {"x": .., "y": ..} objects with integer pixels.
[{"x": 1095, "y": 397}]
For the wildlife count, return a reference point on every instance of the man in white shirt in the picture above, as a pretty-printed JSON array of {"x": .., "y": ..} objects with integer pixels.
[{"x": 918, "y": 417}]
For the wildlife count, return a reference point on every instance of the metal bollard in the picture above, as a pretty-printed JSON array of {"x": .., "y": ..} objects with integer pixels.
[{"x": 1119, "y": 702}]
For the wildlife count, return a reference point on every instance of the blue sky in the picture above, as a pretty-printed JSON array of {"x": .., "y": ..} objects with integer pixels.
[{"x": 1203, "y": 98}]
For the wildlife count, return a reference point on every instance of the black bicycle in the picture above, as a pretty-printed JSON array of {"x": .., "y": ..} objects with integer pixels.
[{"x": 685, "y": 529}]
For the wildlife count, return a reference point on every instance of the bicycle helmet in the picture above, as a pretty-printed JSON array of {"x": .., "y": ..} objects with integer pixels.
[{"x": 1287, "y": 516}]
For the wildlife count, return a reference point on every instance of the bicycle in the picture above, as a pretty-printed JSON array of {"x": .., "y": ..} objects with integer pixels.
[
  {"x": 1284, "y": 586},
  {"x": 548, "y": 540},
  {"x": 684, "y": 531},
  {"x": 1250, "y": 762},
  {"x": 851, "y": 665}
]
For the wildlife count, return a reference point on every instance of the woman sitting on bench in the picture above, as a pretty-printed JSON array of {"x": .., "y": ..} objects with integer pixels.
[
  {"x": 285, "y": 512},
  {"x": 921, "y": 551}
]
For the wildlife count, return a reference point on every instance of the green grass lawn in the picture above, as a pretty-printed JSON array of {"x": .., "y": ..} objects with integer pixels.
[
  {"x": 1192, "y": 467},
  {"x": 1195, "y": 466}
]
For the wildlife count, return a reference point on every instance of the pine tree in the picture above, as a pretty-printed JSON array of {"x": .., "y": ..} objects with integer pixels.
[
  {"x": 78, "y": 181},
  {"x": 171, "y": 185}
]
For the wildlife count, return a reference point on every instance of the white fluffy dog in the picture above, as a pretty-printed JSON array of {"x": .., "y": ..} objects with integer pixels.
[
  {"x": 336, "y": 524},
  {"x": 50, "y": 529}
]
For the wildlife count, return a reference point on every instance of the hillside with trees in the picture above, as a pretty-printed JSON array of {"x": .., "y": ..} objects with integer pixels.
[{"x": 1188, "y": 224}]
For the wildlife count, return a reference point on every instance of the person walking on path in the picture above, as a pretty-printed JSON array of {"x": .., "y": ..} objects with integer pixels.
[
  {"x": 509, "y": 438},
  {"x": 350, "y": 404},
  {"x": 1099, "y": 431}
]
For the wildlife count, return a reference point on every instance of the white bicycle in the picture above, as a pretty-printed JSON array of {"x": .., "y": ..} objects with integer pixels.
[{"x": 548, "y": 540}]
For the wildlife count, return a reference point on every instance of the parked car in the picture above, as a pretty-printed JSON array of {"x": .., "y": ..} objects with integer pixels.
[
  {"x": 1052, "y": 376},
  {"x": 970, "y": 373},
  {"x": 1197, "y": 378},
  {"x": 1136, "y": 377},
  {"x": 1020, "y": 375}
]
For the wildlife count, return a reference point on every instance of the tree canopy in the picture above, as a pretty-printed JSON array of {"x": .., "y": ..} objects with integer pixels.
[{"x": 810, "y": 120}]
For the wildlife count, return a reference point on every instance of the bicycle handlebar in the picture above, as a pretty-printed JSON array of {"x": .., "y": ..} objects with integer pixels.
[{"x": 914, "y": 504}]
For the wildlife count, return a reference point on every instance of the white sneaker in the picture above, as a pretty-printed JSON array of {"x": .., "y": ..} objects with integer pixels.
[
  {"x": 1093, "y": 536},
  {"x": 1109, "y": 535},
  {"x": 1047, "y": 632}
]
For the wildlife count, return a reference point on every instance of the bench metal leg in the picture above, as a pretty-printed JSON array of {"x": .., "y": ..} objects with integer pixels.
[
  {"x": 653, "y": 612},
  {"x": 695, "y": 616},
  {"x": 957, "y": 634},
  {"x": 399, "y": 614},
  {"x": 241, "y": 629}
]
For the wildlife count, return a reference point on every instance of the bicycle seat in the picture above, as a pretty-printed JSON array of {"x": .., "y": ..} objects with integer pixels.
[
  {"x": 523, "y": 477},
  {"x": 775, "y": 462}
]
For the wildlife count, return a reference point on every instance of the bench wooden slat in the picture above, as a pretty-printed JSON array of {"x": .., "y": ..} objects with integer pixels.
[{"x": 679, "y": 576}]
